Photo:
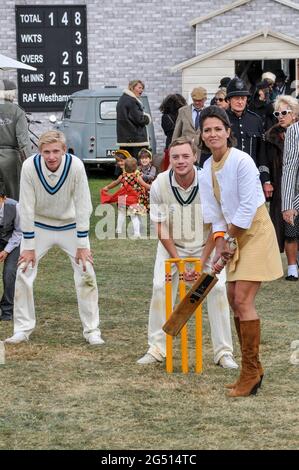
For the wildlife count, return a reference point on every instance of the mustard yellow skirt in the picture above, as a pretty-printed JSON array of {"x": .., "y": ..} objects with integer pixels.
[{"x": 257, "y": 257}]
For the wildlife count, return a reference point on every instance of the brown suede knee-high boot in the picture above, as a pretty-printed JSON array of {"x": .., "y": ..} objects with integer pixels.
[
  {"x": 237, "y": 325},
  {"x": 249, "y": 377},
  {"x": 259, "y": 365}
]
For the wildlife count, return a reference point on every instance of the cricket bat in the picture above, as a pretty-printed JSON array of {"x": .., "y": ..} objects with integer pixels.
[{"x": 194, "y": 297}]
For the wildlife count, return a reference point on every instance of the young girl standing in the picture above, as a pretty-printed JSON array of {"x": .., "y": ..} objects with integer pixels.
[
  {"x": 145, "y": 166},
  {"x": 130, "y": 197}
]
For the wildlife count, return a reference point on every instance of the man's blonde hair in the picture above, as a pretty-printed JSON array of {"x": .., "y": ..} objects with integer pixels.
[
  {"x": 51, "y": 137},
  {"x": 182, "y": 141}
]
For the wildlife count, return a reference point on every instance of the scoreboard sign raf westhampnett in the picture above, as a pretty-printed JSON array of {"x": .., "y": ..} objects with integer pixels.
[{"x": 54, "y": 40}]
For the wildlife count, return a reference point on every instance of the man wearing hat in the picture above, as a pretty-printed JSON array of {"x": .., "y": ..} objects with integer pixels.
[
  {"x": 282, "y": 85},
  {"x": 224, "y": 82},
  {"x": 187, "y": 123},
  {"x": 14, "y": 138},
  {"x": 247, "y": 126},
  {"x": 270, "y": 78}
]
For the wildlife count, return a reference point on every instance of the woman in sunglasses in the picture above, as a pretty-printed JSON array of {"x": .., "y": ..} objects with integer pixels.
[
  {"x": 286, "y": 110},
  {"x": 219, "y": 99}
]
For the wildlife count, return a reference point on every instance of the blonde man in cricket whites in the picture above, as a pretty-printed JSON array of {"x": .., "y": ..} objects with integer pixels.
[
  {"x": 175, "y": 208},
  {"x": 55, "y": 208}
]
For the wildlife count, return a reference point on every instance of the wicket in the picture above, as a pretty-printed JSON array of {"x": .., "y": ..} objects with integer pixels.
[{"x": 181, "y": 262}]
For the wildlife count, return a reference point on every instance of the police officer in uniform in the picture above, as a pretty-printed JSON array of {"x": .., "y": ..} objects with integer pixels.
[{"x": 247, "y": 126}]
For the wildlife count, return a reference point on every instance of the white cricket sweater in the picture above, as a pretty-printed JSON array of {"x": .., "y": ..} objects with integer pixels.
[
  {"x": 54, "y": 201},
  {"x": 180, "y": 209}
]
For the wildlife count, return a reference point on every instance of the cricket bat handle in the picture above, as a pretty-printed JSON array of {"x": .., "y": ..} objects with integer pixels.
[{"x": 219, "y": 265}]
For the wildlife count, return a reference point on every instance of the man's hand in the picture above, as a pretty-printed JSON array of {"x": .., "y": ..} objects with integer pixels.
[
  {"x": 190, "y": 275},
  {"x": 3, "y": 256},
  {"x": 268, "y": 190},
  {"x": 288, "y": 216},
  {"x": 27, "y": 257},
  {"x": 83, "y": 254}
]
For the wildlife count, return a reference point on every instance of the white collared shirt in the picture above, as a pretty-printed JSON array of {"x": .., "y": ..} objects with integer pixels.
[{"x": 53, "y": 176}]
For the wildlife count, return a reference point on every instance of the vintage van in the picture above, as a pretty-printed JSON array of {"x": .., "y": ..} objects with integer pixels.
[{"x": 89, "y": 124}]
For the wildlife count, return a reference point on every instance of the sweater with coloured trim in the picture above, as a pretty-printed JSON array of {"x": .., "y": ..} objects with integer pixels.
[{"x": 57, "y": 200}]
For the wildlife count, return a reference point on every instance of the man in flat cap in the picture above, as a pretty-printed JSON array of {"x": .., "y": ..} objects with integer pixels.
[{"x": 187, "y": 123}]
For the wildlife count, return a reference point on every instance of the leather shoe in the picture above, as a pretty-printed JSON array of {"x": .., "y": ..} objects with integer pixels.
[{"x": 291, "y": 278}]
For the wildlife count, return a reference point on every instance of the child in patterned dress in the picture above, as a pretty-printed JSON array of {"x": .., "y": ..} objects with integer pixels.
[{"x": 130, "y": 197}]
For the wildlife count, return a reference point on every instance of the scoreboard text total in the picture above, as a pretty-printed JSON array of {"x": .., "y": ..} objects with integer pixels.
[{"x": 54, "y": 40}]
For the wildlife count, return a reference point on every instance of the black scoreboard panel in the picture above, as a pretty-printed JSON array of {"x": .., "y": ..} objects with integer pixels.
[{"x": 54, "y": 40}]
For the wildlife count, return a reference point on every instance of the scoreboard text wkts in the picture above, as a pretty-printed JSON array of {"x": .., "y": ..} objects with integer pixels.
[{"x": 54, "y": 40}]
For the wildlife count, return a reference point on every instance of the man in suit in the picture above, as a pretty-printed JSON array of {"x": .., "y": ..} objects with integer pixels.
[
  {"x": 187, "y": 123},
  {"x": 10, "y": 239}
]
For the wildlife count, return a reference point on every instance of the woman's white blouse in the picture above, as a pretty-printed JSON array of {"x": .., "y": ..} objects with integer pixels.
[{"x": 240, "y": 188}]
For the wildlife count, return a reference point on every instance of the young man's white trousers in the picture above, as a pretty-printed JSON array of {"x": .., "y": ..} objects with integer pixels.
[
  {"x": 218, "y": 307},
  {"x": 85, "y": 283}
]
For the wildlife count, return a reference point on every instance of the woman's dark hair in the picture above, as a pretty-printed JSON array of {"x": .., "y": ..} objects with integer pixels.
[
  {"x": 219, "y": 113},
  {"x": 172, "y": 103}
]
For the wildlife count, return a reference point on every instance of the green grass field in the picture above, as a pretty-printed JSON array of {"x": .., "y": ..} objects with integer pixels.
[{"x": 57, "y": 392}]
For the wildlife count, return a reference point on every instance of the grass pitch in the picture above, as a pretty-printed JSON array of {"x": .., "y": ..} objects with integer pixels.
[{"x": 57, "y": 392}]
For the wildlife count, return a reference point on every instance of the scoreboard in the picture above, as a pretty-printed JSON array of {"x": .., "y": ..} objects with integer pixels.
[{"x": 54, "y": 40}]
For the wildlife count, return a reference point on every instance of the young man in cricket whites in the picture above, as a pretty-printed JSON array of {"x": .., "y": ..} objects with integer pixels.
[{"x": 55, "y": 207}]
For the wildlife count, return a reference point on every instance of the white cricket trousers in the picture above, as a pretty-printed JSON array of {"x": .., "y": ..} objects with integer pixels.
[
  {"x": 85, "y": 283},
  {"x": 218, "y": 307}
]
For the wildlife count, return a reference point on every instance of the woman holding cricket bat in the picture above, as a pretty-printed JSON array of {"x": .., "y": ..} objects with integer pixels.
[{"x": 234, "y": 203}]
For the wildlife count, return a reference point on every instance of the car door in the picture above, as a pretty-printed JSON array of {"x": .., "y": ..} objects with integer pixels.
[{"x": 106, "y": 127}]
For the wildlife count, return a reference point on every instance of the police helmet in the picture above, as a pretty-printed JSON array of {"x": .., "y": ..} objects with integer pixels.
[{"x": 236, "y": 87}]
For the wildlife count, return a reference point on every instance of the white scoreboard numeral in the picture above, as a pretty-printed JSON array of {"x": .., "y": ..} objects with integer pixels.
[
  {"x": 53, "y": 78},
  {"x": 65, "y": 56},
  {"x": 64, "y": 19},
  {"x": 66, "y": 78},
  {"x": 78, "y": 37},
  {"x": 77, "y": 18},
  {"x": 80, "y": 75},
  {"x": 51, "y": 16},
  {"x": 79, "y": 58}
]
